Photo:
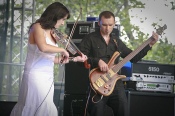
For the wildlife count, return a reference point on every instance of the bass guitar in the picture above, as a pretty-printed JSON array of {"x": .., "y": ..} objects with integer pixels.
[{"x": 104, "y": 82}]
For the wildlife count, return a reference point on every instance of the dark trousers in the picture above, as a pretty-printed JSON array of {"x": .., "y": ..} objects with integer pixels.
[{"x": 117, "y": 101}]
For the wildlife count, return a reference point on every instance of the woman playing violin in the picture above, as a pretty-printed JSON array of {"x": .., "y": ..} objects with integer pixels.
[{"x": 36, "y": 90}]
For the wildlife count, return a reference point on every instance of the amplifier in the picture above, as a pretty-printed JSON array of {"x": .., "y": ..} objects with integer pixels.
[
  {"x": 82, "y": 28},
  {"x": 75, "y": 105},
  {"x": 85, "y": 27},
  {"x": 151, "y": 104},
  {"x": 152, "y": 78},
  {"x": 151, "y": 72},
  {"x": 156, "y": 87}
]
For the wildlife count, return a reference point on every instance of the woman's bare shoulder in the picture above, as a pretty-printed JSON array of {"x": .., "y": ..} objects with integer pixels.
[{"x": 36, "y": 26}]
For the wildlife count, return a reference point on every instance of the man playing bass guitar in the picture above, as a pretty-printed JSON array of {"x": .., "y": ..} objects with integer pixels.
[{"x": 100, "y": 46}]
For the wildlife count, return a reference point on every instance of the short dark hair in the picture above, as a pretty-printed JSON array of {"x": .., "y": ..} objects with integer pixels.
[
  {"x": 106, "y": 14},
  {"x": 52, "y": 13}
]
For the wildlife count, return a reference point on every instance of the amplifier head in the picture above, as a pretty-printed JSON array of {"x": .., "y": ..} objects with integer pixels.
[
  {"x": 85, "y": 27},
  {"x": 148, "y": 68},
  {"x": 157, "y": 69},
  {"x": 82, "y": 29}
]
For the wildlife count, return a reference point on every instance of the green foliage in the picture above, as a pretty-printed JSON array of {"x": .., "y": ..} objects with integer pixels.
[{"x": 162, "y": 52}]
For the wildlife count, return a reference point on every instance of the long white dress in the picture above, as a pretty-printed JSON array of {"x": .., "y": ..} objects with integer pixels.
[{"x": 37, "y": 87}]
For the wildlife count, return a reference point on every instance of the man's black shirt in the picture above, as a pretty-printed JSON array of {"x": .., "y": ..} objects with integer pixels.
[{"x": 94, "y": 46}]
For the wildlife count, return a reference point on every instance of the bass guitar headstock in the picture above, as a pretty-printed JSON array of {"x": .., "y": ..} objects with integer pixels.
[{"x": 160, "y": 30}]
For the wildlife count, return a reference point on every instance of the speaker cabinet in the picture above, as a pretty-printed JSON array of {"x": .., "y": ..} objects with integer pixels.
[
  {"x": 151, "y": 104},
  {"x": 76, "y": 79},
  {"x": 59, "y": 97},
  {"x": 6, "y": 107},
  {"x": 74, "y": 105}
]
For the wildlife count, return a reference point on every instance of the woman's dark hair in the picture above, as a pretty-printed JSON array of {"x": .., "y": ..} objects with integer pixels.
[
  {"x": 106, "y": 14},
  {"x": 53, "y": 12}
]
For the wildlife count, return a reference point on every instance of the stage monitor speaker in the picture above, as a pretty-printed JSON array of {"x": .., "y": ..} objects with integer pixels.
[
  {"x": 76, "y": 79},
  {"x": 6, "y": 107},
  {"x": 59, "y": 96},
  {"x": 75, "y": 105},
  {"x": 151, "y": 104}
]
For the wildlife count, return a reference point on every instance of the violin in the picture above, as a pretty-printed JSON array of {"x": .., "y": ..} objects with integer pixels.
[{"x": 68, "y": 44}]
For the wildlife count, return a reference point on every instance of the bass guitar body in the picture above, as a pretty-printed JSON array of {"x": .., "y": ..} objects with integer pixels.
[{"x": 104, "y": 82}]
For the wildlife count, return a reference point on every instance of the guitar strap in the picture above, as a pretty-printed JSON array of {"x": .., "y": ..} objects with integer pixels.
[
  {"x": 118, "y": 48},
  {"x": 115, "y": 41}
]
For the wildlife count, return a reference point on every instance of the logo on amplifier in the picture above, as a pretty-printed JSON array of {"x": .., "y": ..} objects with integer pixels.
[{"x": 153, "y": 69}]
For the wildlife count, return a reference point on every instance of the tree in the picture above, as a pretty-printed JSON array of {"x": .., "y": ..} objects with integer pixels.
[{"x": 92, "y": 8}]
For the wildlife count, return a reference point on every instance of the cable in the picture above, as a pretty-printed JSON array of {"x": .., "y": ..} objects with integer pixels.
[
  {"x": 71, "y": 107},
  {"x": 95, "y": 95},
  {"x": 85, "y": 113},
  {"x": 44, "y": 98},
  {"x": 48, "y": 93}
]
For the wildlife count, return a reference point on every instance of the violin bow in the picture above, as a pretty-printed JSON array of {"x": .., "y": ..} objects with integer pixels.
[{"x": 73, "y": 28}]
